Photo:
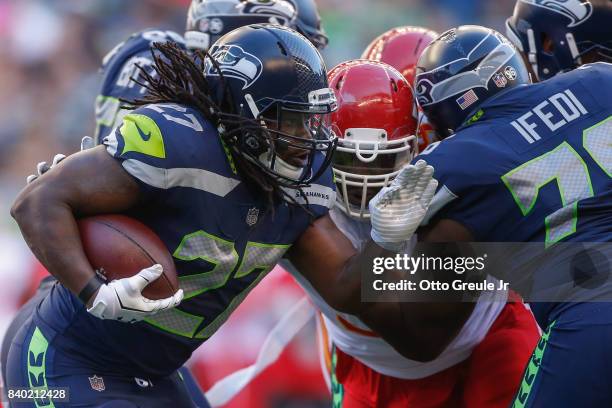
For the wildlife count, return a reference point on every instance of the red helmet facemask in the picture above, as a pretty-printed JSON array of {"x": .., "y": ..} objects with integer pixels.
[{"x": 375, "y": 128}]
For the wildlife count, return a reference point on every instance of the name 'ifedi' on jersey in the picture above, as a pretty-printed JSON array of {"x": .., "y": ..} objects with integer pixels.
[{"x": 563, "y": 103}]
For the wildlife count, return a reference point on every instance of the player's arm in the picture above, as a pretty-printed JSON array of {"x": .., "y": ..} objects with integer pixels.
[
  {"x": 417, "y": 330},
  {"x": 86, "y": 183},
  {"x": 327, "y": 258}
]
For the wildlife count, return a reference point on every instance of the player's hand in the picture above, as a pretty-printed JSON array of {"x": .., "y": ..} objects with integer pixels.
[
  {"x": 122, "y": 299},
  {"x": 396, "y": 211},
  {"x": 43, "y": 167}
]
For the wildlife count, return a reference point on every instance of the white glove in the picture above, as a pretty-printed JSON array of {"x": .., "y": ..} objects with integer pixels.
[
  {"x": 396, "y": 211},
  {"x": 122, "y": 299},
  {"x": 41, "y": 168}
]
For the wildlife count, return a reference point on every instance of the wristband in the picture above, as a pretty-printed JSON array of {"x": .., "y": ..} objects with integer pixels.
[
  {"x": 92, "y": 286},
  {"x": 397, "y": 247}
]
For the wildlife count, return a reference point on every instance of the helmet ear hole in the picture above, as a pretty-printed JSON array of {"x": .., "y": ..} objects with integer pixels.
[
  {"x": 339, "y": 82},
  {"x": 548, "y": 45},
  {"x": 282, "y": 49},
  {"x": 394, "y": 85}
]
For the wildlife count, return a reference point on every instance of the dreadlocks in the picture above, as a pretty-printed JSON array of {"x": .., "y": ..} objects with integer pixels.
[{"x": 180, "y": 79}]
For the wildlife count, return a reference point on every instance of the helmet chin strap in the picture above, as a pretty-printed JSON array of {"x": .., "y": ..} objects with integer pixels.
[
  {"x": 533, "y": 51},
  {"x": 571, "y": 44}
]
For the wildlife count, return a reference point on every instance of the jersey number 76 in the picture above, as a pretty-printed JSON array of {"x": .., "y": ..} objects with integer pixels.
[{"x": 564, "y": 165}]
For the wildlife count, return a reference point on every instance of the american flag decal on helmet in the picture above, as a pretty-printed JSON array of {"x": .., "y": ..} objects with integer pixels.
[{"x": 467, "y": 99}]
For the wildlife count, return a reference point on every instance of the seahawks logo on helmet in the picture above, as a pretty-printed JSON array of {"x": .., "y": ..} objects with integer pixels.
[
  {"x": 578, "y": 11},
  {"x": 279, "y": 12},
  {"x": 429, "y": 90},
  {"x": 234, "y": 62},
  {"x": 423, "y": 91}
]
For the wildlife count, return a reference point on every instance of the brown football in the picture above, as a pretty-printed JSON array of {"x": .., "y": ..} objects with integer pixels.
[{"x": 119, "y": 247}]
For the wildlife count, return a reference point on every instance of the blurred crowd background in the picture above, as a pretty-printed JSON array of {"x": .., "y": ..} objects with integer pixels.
[{"x": 50, "y": 51}]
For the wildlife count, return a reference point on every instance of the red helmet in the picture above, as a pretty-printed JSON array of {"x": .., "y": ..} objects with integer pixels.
[
  {"x": 401, "y": 48},
  {"x": 375, "y": 128}
]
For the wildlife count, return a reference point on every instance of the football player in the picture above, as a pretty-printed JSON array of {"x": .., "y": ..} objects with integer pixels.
[
  {"x": 230, "y": 170},
  {"x": 376, "y": 129},
  {"x": 308, "y": 23},
  {"x": 558, "y": 36},
  {"x": 542, "y": 173},
  {"x": 207, "y": 21},
  {"x": 401, "y": 47}
]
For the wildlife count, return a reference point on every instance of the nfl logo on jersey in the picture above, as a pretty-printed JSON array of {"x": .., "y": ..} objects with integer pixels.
[
  {"x": 97, "y": 383},
  {"x": 252, "y": 216}
]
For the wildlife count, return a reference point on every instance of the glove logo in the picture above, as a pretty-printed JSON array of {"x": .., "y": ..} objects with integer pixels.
[
  {"x": 576, "y": 11},
  {"x": 234, "y": 62}
]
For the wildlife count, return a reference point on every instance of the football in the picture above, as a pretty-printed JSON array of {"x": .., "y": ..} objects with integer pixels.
[{"x": 119, "y": 247}]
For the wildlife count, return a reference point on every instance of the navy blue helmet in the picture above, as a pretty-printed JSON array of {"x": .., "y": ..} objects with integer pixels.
[
  {"x": 555, "y": 35},
  {"x": 461, "y": 69},
  {"x": 208, "y": 20},
  {"x": 276, "y": 78},
  {"x": 309, "y": 22}
]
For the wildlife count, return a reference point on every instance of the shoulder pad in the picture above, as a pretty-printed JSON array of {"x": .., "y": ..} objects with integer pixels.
[
  {"x": 136, "y": 43},
  {"x": 120, "y": 67}
]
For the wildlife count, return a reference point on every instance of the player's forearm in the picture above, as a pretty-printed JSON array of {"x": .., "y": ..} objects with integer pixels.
[
  {"x": 419, "y": 328},
  {"x": 417, "y": 331},
  {"x": 349, "y": 278},
  {"x": 50, "y": 230},
  {"x": 86, "y": 183}
]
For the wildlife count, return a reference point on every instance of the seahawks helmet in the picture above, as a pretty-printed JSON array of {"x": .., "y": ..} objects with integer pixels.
[
  {"x": 272, "y": 73},
  {"x": 208, "y": 20},
  {"x": 308, "y": 22},
  {"x": 555, "y": 35},
  {"x": 461, "y": 69}
]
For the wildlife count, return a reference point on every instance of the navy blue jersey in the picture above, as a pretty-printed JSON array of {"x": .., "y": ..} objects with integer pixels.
[
  {"x": 120, "y": 70},
  {"x": 222, "y": 239},
  {"x": 535, "y": 164}
]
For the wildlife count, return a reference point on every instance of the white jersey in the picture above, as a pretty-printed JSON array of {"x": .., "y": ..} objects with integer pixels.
[{"x": 353, "y": 337}]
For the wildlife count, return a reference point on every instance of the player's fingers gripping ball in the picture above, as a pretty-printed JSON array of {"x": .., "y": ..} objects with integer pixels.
[
  {"x": 397, "y": 210},
  {"x": 41, "y": 168},
  {"x": 122, "y": 299}
]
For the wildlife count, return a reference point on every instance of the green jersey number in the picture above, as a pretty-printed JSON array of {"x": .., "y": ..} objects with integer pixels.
[
  {"x": 228, "y": 265},
  {"x": 564, "y": 166}
]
